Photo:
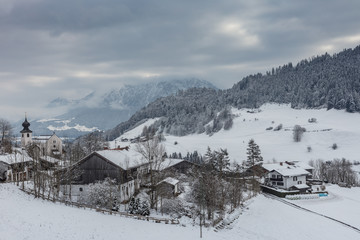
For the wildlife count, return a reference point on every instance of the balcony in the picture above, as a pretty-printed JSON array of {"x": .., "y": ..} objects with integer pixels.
[{"x": 276, "y": 179}]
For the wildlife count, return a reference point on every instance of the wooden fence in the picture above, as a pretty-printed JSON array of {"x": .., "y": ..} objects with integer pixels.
[{"x": 106, "y": 211}]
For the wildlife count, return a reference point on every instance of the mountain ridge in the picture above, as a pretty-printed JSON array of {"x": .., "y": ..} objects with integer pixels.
[{"x": 321, "y": 82}]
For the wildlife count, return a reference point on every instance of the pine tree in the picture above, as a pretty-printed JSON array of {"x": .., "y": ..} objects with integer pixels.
[
  {"x": 254, "y": 158},
  {"x": 144, "y": 208},
  {"x": 131, "y": 205},
  {"x": 253, "y": 154},
  {"x": 137, "y": 206}
]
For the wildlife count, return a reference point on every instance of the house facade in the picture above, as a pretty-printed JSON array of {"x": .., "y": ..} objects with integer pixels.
[
  {"x": 286, "y": 175},
  {"x": 114, "y": 164},
  {"x": 50, "y": 145},
  {"x": 168, "y": 187}
]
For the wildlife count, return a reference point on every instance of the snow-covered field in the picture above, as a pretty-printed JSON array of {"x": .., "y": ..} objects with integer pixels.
[
  {"x": 342, "y": 204},
  {"x": 332, "y": 126},
  {"x": 23, "y": 217}
]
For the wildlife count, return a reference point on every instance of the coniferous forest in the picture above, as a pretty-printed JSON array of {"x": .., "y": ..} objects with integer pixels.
[{"x": 319, "y": 82}]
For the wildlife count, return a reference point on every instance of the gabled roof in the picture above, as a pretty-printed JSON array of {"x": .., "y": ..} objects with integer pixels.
[
  {"x": 169, "y": 162},
  {"x": 286, "y": 169},
  {"x": 124, "y": 159}
]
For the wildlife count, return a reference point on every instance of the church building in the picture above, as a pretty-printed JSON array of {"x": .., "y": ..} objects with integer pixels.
[{"x": 49, "y": 145}]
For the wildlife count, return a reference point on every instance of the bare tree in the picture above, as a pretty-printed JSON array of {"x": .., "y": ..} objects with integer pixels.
[
  {"x": 153, "y": 152},
  {"x": 5, "y": 132},
  {"x": 298, "y": 131}
]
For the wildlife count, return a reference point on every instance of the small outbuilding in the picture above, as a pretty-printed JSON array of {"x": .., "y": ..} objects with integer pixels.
[{"x": 168, "y": 187}]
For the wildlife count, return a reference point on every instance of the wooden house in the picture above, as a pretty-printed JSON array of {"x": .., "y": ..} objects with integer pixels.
[
  {"x": 120, "y": 165},
  {"x": 168, "y": 187}
]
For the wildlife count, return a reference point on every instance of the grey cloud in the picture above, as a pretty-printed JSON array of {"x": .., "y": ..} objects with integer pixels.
[{"x": 79, "y": 46}]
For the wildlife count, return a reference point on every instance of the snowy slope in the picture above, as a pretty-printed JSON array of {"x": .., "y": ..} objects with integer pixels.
[
  {"x": 333, "y": 126},
  {"x": 23, "y": 217},
  {"x": 342, "y": 204}
]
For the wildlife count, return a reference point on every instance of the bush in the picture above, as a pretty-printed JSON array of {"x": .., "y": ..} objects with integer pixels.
[
  {"x": 312, "y": 120},
  {"x": 102, "y": 194},
  {"x": 139, "y": 208},
  {"x": 279, "y": 127},
  {"x": 334, "y": 146}
]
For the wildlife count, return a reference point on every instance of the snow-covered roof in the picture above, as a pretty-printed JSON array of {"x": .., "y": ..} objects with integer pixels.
[
  {"x": 17, "y": 157},
  {"x": 285, "y": 169},
  {"x": 123, "y": 158},
  {"x": 50, "y": 159},
  {"x": 301, "y": 186},
  {"x": 170, "y": 180},
  {"x": 169, "y": 162},
  {"x": 42, "y": 137},
  {"x": 303, "y": 165}
]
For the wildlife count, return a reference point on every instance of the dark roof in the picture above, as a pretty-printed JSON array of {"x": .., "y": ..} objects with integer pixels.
[{"x": 26, "y": 126}]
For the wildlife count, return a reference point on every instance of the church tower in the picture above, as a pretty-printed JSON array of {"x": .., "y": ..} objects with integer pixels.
[{"x": 26, "y": 134}]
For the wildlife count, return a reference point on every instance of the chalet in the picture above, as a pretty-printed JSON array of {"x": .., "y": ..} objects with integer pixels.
[
  {"x": 287, "y": 176},
  {"x": 121, "y": 165}
]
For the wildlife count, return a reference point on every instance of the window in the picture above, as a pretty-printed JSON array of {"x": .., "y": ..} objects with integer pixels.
[
  {"x": 280, "y": 183},
  {"x": 54, "y": 141},
  {"x": 22, "y": 135},
  {"x": 294, "y": 178},
  {"x": 81, "y": 189},
  {"x": 28, "y": 135},
  {"x": 54, "y": 146},
  {"x": 273, "y": 176},
  {"x": 299, "y": 182},
  {"x": 279, "y": 176}
]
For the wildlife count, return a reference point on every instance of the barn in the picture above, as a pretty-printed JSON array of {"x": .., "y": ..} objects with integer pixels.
[{"x": 122, "y": 166}]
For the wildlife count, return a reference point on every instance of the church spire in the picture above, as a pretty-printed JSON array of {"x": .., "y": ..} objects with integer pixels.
[{"x": 26, "y": 126}]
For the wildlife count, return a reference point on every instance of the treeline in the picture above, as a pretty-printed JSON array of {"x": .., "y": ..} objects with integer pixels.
[
  {"x": 337, "y": 171},
  {"x": 320, "y": 82}
]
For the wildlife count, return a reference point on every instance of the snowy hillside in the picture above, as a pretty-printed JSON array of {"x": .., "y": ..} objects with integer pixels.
[
  {"x": 23, "y": 217},
  {"x": 332, "y": 126}
]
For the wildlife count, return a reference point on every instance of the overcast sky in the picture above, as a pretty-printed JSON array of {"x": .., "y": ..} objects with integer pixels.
[{"x": 68, "y": 48}]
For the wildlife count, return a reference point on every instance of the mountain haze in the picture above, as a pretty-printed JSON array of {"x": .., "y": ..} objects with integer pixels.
[{"x": 102, "y": 112}]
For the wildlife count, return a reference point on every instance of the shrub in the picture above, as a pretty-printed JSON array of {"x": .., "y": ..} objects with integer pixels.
[{"x": 279, "y": 127}]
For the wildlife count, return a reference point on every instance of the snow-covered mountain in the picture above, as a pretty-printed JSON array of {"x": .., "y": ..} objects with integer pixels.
[
  {"x": 323, "y": 82},
  {"x": 104, "y": 111}
]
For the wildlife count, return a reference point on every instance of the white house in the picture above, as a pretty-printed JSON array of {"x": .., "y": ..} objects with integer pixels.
[{"x": 286, "y": 175}]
